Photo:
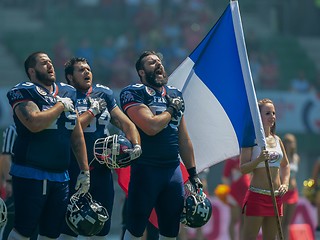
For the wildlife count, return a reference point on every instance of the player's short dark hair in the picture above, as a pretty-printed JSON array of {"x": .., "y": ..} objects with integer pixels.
[
  {"x": 140, "y": 62},
  {"x": 31, "y": 61},
  {"x": 69, "y": 66}
]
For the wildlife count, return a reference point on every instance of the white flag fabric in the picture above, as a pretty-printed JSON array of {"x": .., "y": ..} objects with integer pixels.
[{"x": 221, "y": 106}]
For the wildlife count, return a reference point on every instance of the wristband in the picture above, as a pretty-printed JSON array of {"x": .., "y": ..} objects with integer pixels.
[
  {"x": 91, "y": 112},
  {"x": 192, "y": 171}
]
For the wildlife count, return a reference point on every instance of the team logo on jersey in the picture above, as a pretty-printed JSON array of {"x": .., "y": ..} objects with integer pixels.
[
  {"x": 150, "y": 91},
  {"x": 15, "y": 94},
  {"x": 127, "y": 96},
  {"x": 41, "y": 91}
]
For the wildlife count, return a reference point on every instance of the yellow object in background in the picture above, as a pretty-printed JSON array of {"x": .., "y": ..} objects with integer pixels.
[
  {"x": 310, "y": 190},
  {"x": 221, "y": 191}
]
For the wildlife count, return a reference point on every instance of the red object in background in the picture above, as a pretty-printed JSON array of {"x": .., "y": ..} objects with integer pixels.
[
  {"x": 124, "y": 179},
  {"x": 301, "y": 231}
]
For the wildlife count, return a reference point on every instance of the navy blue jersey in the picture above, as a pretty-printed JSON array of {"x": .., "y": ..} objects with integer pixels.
[
  {"x": 98, "y": 128},
  {"x": 163, "y": 148},
  {"x": 101, "y": 181},
  {"x": 49, "y": 149}
]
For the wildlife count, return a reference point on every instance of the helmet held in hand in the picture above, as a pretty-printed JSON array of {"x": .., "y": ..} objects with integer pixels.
[
  {"x": 113, "y": 151},
  {"x": 197, "y": 209},
  {"x": 85, "y": 216}
]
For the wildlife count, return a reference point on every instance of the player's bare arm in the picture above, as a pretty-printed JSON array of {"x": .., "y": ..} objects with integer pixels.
[
  {"x": 121, "y": 121},
  {"x": 185, "y": 146},
  {"x": 149, "y": 123},
  {"x": 79, "y": 147},
  {"x": 34, "y": 119},
  {"x": 85, "y": 119}
]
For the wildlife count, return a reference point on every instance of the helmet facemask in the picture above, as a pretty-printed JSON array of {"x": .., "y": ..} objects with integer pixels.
[{"x": 111, "y": 151}]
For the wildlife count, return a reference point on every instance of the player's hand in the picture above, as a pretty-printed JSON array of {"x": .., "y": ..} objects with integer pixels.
[
  {"x": 196, "y": 182},
  {"x": 134, "y": 152},
  {"x": 97, "y": 105},
  {"x": 175, "y": 105},
  {"x": 67, "y": 103},
  {"x": 83, "y": 182}
]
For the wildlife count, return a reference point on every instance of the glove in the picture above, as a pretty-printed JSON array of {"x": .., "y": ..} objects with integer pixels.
[
  {"x": 83, "y": 182},
  {"x": 97, "y": 106},
  {"x": 67, "y": 103},
  {"x": 175, "y": 105},
  {"x": 134, "y": 152},
  {"x": 194, "y": 179}
]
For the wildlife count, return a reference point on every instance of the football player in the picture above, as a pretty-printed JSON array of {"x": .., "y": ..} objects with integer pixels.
[
  {"x": 156, "y": 179},
  {"x": 47, "y": 127},
  {"x": 97, "y": 107}
]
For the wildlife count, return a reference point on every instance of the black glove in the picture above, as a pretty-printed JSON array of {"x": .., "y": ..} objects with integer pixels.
[
  {"x": 194, "y": 179},
  {"x": 175, "y": 105}
]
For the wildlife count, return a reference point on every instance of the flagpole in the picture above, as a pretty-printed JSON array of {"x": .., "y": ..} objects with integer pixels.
[
  {"x": 275, "y": 206},
  {"x": 257, "y": 118}
]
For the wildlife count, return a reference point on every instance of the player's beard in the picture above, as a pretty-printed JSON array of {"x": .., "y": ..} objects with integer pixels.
[
  {"x": 45, "y": 78},
  {"x": 151, "y": 78}
]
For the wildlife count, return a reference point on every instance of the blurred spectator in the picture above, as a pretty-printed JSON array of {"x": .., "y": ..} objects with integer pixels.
[
  {"x": 269, "y": 72},
  {"x": 105, "y": 57},
  {"x": 88, "y": 3},
  {"x": 85, "y": 50},
  {"x": 132, "y": 7},
  {"x": 290, "y": 199},
  {"x": 255, "y": 66},
  {"x": 145, "y": 19},
  {"x": 120, "y": 76},
  {"x": 252, "y": 42},
  {"x": 317, "y": 82},
  {"x": 61, "y": 53},
  {"x": 300, "y": 83}
]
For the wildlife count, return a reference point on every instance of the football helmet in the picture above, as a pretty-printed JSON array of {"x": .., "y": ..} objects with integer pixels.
[
  {"x": 197, "y": 209},
  {"x": 84, "y": 215},
  {"x": 113, "y": 151},
  {"x": 3, "y": 213}
]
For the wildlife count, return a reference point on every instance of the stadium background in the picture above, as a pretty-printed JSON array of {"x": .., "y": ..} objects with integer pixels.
[{"x": 282, "y": 41}]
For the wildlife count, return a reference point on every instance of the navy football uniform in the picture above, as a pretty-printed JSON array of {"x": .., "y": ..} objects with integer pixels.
[
  {"x": 101, "y": 182},
  {"x": 162, "y": 149},
  {"x": 156, "y": 179},
  {"x": 99, "y": 126},
  {"x": 40, "y": 162},
  {"x": 30, "y": 148}
]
